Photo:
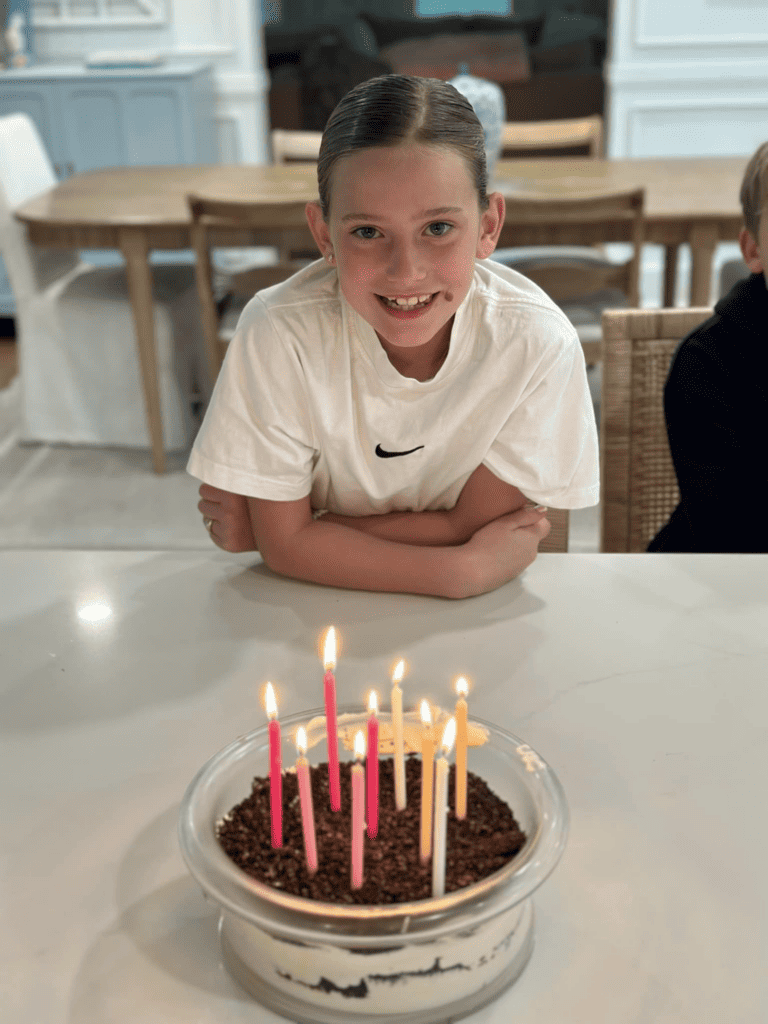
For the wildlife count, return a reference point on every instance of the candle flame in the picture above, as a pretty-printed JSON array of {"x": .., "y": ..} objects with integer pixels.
[
  {"x": 269, "y": 701},
  {"x": 426, "y": 714},
  {"x": 462, "y": 686},
  {"x": 301, "y": 740},
  {"x": 359, "y": 744},
  {"x": 397, "y": 675},
  {"x": 373, "y": 702},
  {"x": 329, "y": 654},
  {"x": 449, "y": 736}
]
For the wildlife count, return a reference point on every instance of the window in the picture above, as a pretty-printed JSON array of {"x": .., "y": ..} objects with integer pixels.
[{"x": 441, "y": 8}]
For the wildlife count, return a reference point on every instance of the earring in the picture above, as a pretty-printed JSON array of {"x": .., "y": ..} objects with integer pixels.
[{"x": 330, "y": 257}]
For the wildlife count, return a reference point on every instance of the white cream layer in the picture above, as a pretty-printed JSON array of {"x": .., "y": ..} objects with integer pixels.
[{"x": 421, "y": 975}]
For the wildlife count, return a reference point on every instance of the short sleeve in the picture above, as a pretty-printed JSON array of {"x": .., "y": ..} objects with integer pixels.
[
  {"x": 257, "y": 438},
  {"x": 548, "y": 447}
]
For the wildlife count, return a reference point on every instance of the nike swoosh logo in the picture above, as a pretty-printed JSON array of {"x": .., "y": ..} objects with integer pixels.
[{"x": 390, "y": 455}]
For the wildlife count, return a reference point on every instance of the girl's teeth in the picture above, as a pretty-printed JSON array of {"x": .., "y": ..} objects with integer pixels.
[{"x": 410, "y": 303}]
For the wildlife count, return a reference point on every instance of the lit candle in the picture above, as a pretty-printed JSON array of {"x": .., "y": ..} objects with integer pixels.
[
  {"x": 441, "y": 810},
  {"x": 305, "y": 796},
  {"x": 462, "y": 689},
  {"x": 275, "y": 768},
  {"x": 358, "y": 811},
  {"x": 397, "y": 731},
  {"x": 427, "y": 773},
  {"x": 329, "y": 683},
  {"x": 373, "y": 767}
]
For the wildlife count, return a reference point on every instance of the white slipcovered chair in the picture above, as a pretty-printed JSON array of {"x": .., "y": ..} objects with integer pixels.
[{"x": 79, "y": 366}]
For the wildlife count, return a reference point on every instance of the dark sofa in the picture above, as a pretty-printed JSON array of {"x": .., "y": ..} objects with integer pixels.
[{"x": 312, "y": 67}]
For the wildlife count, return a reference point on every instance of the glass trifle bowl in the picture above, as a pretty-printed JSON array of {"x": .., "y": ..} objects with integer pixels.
[{"x": 421, "y": 962}]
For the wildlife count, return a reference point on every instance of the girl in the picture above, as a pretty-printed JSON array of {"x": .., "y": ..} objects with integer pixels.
[{"x": 411, "y": 391}]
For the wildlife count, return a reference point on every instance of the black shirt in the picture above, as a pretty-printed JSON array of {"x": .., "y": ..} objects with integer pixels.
[{"x": 716, "y": 408}]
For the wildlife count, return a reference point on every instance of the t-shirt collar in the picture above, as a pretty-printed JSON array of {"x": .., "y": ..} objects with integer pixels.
[{"x": 460, "y": 345}]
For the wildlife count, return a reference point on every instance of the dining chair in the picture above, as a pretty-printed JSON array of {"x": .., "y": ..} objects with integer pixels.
[
  {"x": 521, "y": 138},
  {"x": 246, "y": 221},
  {"x": 292, "y": 147},
  {"x": 82, "y": 377},
  {"x": 583, "y": 285},
  {"x": 638, "y": 484},
  {"x": 557, "y": 540},
  {"x": 295, "y": 147}
]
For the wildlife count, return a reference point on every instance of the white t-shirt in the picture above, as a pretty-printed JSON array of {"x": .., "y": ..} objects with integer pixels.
[{"x": 307, "y": 402}]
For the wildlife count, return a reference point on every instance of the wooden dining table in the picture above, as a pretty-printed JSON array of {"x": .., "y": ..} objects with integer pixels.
[
  {"x": 640, "y": 679},
  {"x": 140, "y": 209}
]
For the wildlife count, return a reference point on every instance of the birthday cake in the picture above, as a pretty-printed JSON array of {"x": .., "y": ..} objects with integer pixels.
[
  {"x": 342, "y": 901},
  {"x": 357, "y": 979}
]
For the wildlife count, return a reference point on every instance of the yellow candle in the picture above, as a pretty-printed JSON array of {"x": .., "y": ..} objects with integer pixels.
[
  {"x": 427, "y": 774},
  {"x": 461, "y": 748},
  {"x": 397, "y": 732}
]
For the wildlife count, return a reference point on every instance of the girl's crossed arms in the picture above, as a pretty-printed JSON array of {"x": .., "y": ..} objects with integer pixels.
[{"x": 460, "y": 557}]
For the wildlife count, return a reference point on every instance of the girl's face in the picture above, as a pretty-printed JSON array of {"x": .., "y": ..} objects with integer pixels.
[{"x": 404, "y": 223}]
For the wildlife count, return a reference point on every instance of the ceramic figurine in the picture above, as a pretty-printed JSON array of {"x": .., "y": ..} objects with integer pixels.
[
  {"x": 16, "y": 39},
  {"x": 487, "y": 100}
]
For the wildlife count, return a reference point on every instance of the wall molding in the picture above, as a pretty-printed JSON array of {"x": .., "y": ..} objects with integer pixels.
[
  {"x": 689, "y": 40},
  {"x": 694, "y": 71},
  {"x": 633, "y": 109}
]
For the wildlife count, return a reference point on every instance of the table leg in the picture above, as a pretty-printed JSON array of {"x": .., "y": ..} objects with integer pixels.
[
  {"x": 670, "y": 275},
  {"x": 134, "y": 245},
  {"x": 703, "y": 242}
]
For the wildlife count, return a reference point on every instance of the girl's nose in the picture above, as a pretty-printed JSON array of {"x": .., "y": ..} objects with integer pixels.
[{"x": 405, "y": 264}]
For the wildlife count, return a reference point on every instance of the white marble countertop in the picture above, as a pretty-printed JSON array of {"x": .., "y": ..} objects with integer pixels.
[{"x": 641, "y": 679}]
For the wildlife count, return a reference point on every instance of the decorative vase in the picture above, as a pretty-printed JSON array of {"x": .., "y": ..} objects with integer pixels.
[
  {"x": 421, "y": 962},
  {"x": 487, "y": 100},
  {"x": 16, "y": 45}
]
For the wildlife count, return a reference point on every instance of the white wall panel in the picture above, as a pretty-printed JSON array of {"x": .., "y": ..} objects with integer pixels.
[
  {"x": 719, "y": 127},
  {"x": 700, "y": 23},
  {"x": 687, "y": 78}
]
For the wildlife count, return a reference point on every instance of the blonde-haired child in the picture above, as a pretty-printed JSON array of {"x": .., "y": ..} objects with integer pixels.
[
  {"x": 409, "y": 391},
  {"x": 716, "y": 400}
]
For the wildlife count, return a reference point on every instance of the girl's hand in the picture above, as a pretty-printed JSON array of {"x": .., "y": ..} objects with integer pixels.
[
  {"x": 231, "y": 523},
  {"x": 501, "y": 549}
]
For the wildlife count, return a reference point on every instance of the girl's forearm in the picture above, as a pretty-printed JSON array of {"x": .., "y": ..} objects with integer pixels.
[
  {"x": 425, "y": 529},
  {"x": 337, "y": 556}
]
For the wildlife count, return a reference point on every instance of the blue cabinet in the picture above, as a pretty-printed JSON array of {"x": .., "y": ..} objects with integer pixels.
[{"x": 114, "y": 118}]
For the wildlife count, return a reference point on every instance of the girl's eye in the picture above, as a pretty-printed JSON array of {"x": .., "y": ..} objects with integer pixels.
[{"x": 437, "y": 223}]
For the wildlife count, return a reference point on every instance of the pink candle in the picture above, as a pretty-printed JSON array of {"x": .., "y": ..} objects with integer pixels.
[
  {"x": 329, "y": 685},
  {"x": 358, "y": 811},
  {"x": 373, "y": 768},
  {"x": 305, "y": 797},
  {"x": 275, "y": 769}
]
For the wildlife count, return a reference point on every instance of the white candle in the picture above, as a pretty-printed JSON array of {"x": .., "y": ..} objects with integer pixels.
[
  {"x": 441, "y": 811},
  {"x": 397, "y": 731}
]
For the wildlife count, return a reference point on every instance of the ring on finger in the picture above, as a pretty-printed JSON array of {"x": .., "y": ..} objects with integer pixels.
[{"x": 207, "y": 523}]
